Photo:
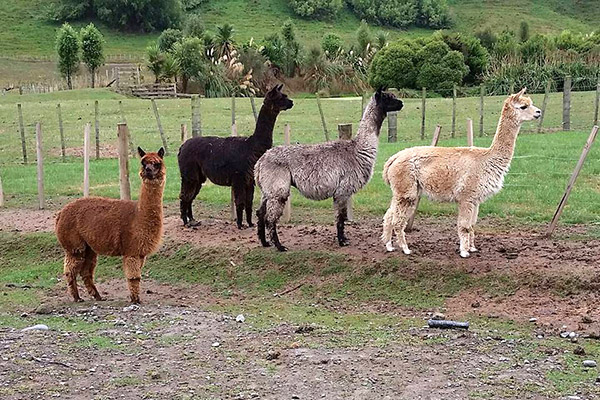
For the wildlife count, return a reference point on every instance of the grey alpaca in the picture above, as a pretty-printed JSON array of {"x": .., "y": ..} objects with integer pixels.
[{"x": 335, "y": 169}]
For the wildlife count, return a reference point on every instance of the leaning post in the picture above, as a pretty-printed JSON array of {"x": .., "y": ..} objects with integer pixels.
[
  {"x": 22, "y": 129},
  {"x": 544, "y": 106},
  {"x": 160, "y": 128},
  {"x": 86, "y": 160},
  {"x": 40, "y": 166},
  {"x": 124, "y": 186},
  {"x": 567, "y": 104},
  {"x": 322, "y": 117},
  {"x": 574, "y": 175}
]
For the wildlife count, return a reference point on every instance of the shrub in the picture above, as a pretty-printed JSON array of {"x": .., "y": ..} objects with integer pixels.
[
  {"x": 154, "y": 61},
  {"x": 68, "y": 10},
  {"x": 403, "y": 13},
  {"x": 316, "y": 8},
  {"x": 67, "y": 47},
  {"x": 331, "y": 44},
  {"x": 476, "y": 56},
  {"x": 194, "y": 27},
  {"x": 523, "y": 31},
  {"x": 292, "y": 50},
  {"x": 487, "y": 38},
  {"x": 440, "y": 68},
  {"x": 190, "y": 5},
  {"x": 92, "y": 49},
  {"x": 168, "y": 38},
  {"x": 394, "y": 66}
]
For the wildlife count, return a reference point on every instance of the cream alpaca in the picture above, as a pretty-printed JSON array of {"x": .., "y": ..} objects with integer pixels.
[{"x": 465, "y": 175}]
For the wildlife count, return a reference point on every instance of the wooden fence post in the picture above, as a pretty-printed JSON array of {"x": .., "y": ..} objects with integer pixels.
[
  {"x": 322, "y": 117},
  {"x": 424, "y": 95},
  {"x": 1, "y": 194},
  {"x": 392, "y": 126},
  {"x": 122, "y": 135},
  {"x": 160, "y": 128},
  {"x": 434, "y": 142},
  {"x": 544, "y": 106},
  {"x": 61, "y": 131},
  {"x": 233, "y": 113},
  {"x": 453, "y": 131},
  {"x": 184, "y": 133},
  {"x": 232, "y": 203},
  {"x": 345, "y": 133},
  {"x": 563, "y": 201},
  {"x": 481, "y": 95},
  {"x": 86, "y": 160},
  {"x": 97, "y": 128},
  {"x": 287, "y": 208},
  {"x": 22, "y": 129},
  {"x": 597, "y": 103},
  {"x": 567, "y": 104},
  {"x": 40, "y": 165},
  {"x": 129, "y": 138},
  {"x": 196, "y": 129},
  {"x": 469, "y": 132},
  {"x": 253, "y": 104}
]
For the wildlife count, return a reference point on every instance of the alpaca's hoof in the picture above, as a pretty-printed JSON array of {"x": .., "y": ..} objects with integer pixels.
[
  {"x": 282, "y": 248},
  {"x": 193, "y": 223},
  {"x": 78, "y": 300},
  {"x": 344, "y": 243},
  {"x": 250, "y": 225},
  {"x": 464, "y": 254},
  {"x": 389, "y": 247},
  {"x": 473, "y": 250},
  {"x": 407, "y": 251},
  {"x": 98, "y": 298},
  {"x": 265, "y": 244}
]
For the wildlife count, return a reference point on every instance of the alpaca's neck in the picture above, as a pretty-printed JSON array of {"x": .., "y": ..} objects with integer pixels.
[
  {"x": 263, "y": 133},
  {"x": 367, "y": 137},
  {"x": 150, "y": 205},
  {"x": 503, "y": 145}
]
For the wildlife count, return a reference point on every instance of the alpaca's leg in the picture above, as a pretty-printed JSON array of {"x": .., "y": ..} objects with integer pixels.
[
  {"x": 239, "y": 197},
  {"x": 260, "y": 214},
  {"x": 403, "y": 209},
  {"x": 465, "y": 215},
  {"x": 133, "y": 272},
  {"x": 189, "y": 190},
  {"x": 249, "y": 201},
  {"x": 72, "y": 267},
  {"x": 341, "y": 206},
  {"x": 273, "y": 213},
  {"x": 472, "y": 248},
  {"x": 87, "y": 273},
  {"x": 388, "y": 227}
]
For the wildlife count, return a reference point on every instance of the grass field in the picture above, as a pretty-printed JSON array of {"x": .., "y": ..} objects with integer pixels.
[
  {"x": 24, "y": 30},
  {"x": 540, "y": 170}
]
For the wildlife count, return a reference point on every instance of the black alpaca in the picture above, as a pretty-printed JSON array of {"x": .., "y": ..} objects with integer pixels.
[{"x": 229, "y": 161}]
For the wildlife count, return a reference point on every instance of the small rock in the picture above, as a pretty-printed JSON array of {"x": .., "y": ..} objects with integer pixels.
[
  {"x": 43, "y": 309},
  {"x": 120, "y": 322},
  {"x": 572, "y": 335},
  {"x": 573, "y": 398},
  {"x": 533, "y": 319},
  {"x": 564, "y": 334},
  {"x": 580, "y": 351},
  {"x": 476, "y": 304},
  {"x": 133, "y": 307},
  {"x": 304, "y": 329},
  {"x": 589, "y": 363},
  {"x": 273, "y": 355},
  {"x": 438, "y": 316},
  {"x": 216, "y": 344},
  {"x": 586, "y": 319},
  {"x": 38, "y": 327},
  {"x": 240, "y": 318}
]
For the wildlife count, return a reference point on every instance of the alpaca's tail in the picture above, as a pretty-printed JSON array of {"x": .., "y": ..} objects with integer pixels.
[{"x": 386, "y": 167}]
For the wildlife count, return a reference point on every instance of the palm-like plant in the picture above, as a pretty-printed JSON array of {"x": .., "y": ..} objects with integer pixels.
[
  {"x": 170, "y": 68},
  {"x": 224, "y": 40},
  {"x": 154, "y": 61}
]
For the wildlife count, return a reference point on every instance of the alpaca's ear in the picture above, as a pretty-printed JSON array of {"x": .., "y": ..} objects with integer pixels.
[
  {"x": 378, "y": 93},
  {"x": 280, "y": 88},
  {"x": 521, "y": 93},
  {"x": 161, "y": 152},
  {"x": 141, "y": 152}
]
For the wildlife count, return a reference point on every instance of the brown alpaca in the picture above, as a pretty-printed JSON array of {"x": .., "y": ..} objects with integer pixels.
[
  {"x": 464, "y": 175},
  {"x": 132, "y": 229}
]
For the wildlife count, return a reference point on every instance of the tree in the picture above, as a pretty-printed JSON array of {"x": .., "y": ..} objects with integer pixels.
[
  {"x": 168, "y": 38},
  {"x": 292, "y": 57},
  {"x": 170, "y": 67},
  {"x": 224, "y": 40},
  {"x": 476, "y": 56},
  {"x": 194, "y": 27},
  {"x": 154, "y": 61},
  {"x": 364, "y": 38},
  {"x": 141, "y": 15},
  {"x": 92, "y": 49},
  {"x": 189, "y": 56},
  {"x": 316, "y": 8},
  {"x": 67, "y": 47},
  {"x": 439, "y": 66}
]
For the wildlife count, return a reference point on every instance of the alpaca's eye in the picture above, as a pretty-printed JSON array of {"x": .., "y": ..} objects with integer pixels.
[{"x": 523, "y": 107}]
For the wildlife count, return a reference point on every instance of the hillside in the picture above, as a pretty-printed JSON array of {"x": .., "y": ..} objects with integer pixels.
[{"x": 25, "y": 32}]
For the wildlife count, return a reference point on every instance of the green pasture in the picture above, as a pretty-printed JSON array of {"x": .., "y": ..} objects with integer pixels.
[{"x": 538, "y": 176}]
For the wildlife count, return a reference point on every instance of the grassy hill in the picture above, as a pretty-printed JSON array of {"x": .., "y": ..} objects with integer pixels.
[{"x": 24, "y": 30}]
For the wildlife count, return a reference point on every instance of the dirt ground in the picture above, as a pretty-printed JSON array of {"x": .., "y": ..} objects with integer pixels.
[{"x": 173, "y": 348}]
